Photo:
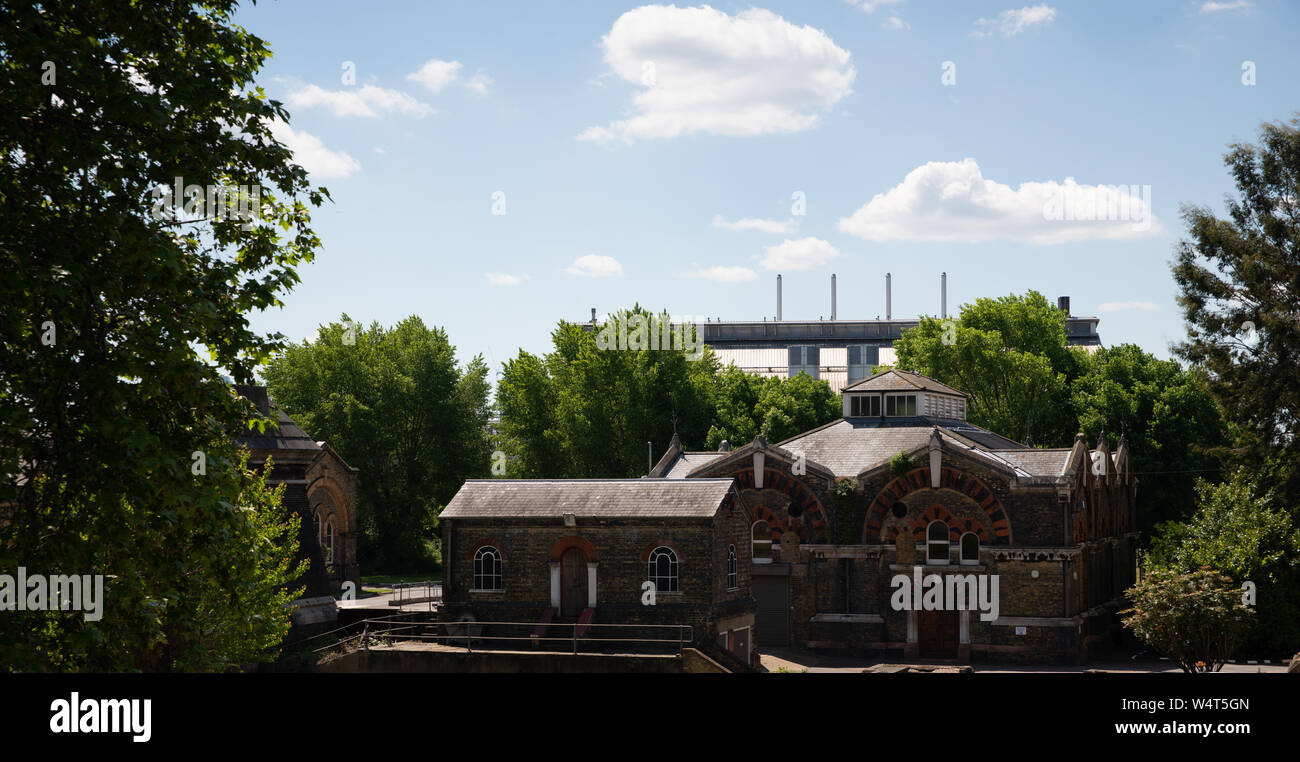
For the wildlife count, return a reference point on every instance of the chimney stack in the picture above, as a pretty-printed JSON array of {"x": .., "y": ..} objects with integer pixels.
[
  {"x": 778, "y": 297},
  {"x": 889, "y": 297},
  {"x": 943, "y": 295},
  {"x": 593, "y": 315},
  {"x": 1063, "y": 304},
  {"x": 832, "y": 296}
]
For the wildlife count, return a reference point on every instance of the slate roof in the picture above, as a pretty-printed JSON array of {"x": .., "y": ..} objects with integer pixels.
[
  {"x": 850, "y": 446},
  {"x": 1038, "y": 462},
  {"x": 593, "y": 498},
  {"x": 689, "y": 461},
  {"x": 288, "y": 436},
  {"x": 893, "y": 380}
]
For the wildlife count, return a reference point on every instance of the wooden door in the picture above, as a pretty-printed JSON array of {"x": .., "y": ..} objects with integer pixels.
[
  {"x": 937, "y": 634},
  {"x": 573, "y": 582}
]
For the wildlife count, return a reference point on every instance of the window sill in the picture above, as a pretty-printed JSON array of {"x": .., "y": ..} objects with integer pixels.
[{"x": 488, "y": 592}]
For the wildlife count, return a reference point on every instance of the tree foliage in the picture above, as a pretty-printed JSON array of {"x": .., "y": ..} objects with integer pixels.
[
  {"x": 1009, "y": 354},
  {"x": 1249, "y": 538},
  {"x": 118, "y": 315},
  {"x": 395, "y": 404},
  {"x": 583, "y": 411},
  {"x": 1174, "y": 427},
  {"x": 1195, "y": 618},
  {"x": 1239, "y": 282}
]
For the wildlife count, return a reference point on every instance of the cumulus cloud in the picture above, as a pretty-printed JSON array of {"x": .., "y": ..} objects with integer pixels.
[
  {"x": 1237, "y": 5},
  {"x": 479, "y": 83},
  {"x": 870, "y": 6},
  {"x": 722, "y": 274},
  {"x": 1126, "y": 306},
  {"x": 505, "y": 279},
  {"x": 311, "y": 153},
  {"x": 367, "y": 101},
  {"x": 1012, "y": 22},
  {"x": 953, "y": 201},
  {"x": 595, "y": 266},
  {"x": 435, "y": 75},
  {"x": 704, "y": 71},
  {"x": 803, "y": 254},
  {"x": 754, "y": 223}
]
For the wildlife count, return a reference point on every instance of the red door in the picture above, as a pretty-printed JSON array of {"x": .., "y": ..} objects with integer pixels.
[{"x": 573, "y": 582}]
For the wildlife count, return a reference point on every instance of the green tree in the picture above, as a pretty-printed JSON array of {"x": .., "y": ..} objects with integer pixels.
[
  {"x": 747, "y": 404},
  {"x": 395, "y": 404},
  {"x": 1009, "y": 354},
  {"x": 1239, "y": 280},
  {"x": 1246, "y": 536},
  {"x": 1175, "y": 428},
  {"x": 117, "y": 318},
  {"x": 1195, "y": 618},
  {"x": 586, "y": 411}
]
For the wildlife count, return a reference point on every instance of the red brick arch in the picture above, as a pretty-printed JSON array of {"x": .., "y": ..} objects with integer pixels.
[
  {"x": 949, "y": 478},
  {"x": 484, "y": 543},
  {"x": 573, "y": 541},
  {"x": 810, "y": 525},
  {"x": 649, "y": 548},
  {"x": 956, "y": 526}
]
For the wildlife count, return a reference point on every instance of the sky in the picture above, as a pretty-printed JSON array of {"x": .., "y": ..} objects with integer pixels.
[{"x": 498, "y": 167}]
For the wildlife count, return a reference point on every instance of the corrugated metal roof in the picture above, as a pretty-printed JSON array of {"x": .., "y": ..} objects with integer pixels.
[{"x": 593, "y": 498}]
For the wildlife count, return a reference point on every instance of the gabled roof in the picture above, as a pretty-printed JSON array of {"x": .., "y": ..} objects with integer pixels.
[
  {"x": 687, "y": 462},
  {"x": 592, "y": 498},
  {"x": 851, "y": 446},
  {"x": 894, "y": 380}
]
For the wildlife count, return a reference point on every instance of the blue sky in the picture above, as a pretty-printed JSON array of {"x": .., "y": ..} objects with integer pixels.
[{"x": 653, "y": 154}]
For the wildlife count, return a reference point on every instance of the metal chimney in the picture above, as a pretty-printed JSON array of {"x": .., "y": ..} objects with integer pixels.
[
  {"x": 593, "y": 315},
  {"x": 889, "y": 299},
  {"x": 832, "y": 296},
  {"x": 1063, "y": 304},
  {"x": 778, "y": 297},
  {"x": 943, "y": 295}
]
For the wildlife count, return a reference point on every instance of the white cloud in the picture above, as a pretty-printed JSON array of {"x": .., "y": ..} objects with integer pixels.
[
  {"x": 722, "y": 274},
  {"x": 894, "y": 23},
  {"x": 952, "y": 201},
  {"x": 870, "y": 6},
  {"x": 753, "y": 223},
  {"x": 1237, "y": 5},
  {"x": 595, "y": 266},
  {"x": 1013, "y": 22},
  {"x": 803, "y": 254},
  {"x": 702, "y": 70},
  {"x": 505, "y": 279},
  {"x": 310, "y": 153},
  {"x": 366, "y": 101},
  {"x": 436, "y": 75},
  {"x": 1126, "y": 306},
  {"x": 479, "y": 83}
]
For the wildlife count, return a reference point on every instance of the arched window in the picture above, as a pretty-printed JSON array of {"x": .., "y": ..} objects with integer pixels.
[
  {"x": 318, "y": 529},
  {"x": 487, "y": 568},
  {"x": 970, "y": 548},
  {"x": 663, "y": 569},
  {"x": 936, "y": 543},
  {"x": 328, "y": 547},
  {"x": 733, "y": 569}
]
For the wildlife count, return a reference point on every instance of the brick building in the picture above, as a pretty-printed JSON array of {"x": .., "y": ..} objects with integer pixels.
[
  {"x": 835, "y": 525},
  {"x": 581, "y": 550}
]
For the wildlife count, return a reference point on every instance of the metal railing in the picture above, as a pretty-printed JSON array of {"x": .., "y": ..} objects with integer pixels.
[{"x": 570, "y": 637}]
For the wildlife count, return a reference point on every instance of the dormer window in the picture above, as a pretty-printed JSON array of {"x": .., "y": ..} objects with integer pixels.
[
  {"x": 864, "y": 405},
  {"x": 900, "y": 405}
]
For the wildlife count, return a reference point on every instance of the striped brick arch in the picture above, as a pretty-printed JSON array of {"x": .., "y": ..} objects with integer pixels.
[
  {"x": 949, "y": 478},
  {"x": 956, "y": 526},
  {"x": 810, "y": 525}
]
